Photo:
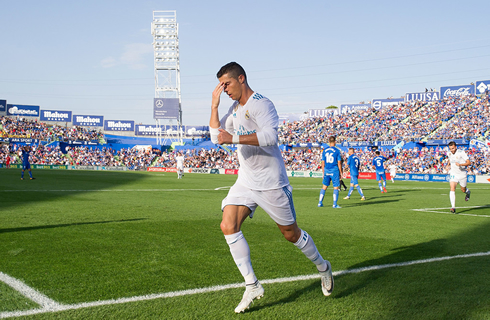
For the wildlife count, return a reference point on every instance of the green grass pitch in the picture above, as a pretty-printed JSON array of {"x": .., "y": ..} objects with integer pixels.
[{"x": 84, "y": 237}]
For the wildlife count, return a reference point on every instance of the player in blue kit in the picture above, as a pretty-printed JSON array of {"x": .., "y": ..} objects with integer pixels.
[
  {"x": 25, "y": 162},
  {"x": 354, "y": 163},
  {"x": 332, "y": 171},
  {"x": 378, "y": 163}
]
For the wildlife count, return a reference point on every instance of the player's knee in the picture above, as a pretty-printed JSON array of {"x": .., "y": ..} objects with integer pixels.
[{"x": 228, "y": 228}]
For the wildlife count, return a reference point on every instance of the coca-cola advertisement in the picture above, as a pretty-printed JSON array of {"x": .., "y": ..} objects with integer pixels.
[{"x": 457, "y": 91}]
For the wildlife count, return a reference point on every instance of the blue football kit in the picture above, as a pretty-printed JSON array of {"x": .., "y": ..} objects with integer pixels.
[
  {"x": 331, "y": 157},
  {"x": 354, "y": 164},
  {"x": 378, "y": 163}
]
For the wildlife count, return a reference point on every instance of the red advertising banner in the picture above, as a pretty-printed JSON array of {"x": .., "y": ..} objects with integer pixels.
[
  {"x": 365, "y": 175},
  {"x": 231, "y": 171},
  {"x": 158, "y": 169}
]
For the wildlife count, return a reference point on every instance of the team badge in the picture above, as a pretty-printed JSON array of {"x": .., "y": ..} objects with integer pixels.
[{"x": 247, "y": 115}]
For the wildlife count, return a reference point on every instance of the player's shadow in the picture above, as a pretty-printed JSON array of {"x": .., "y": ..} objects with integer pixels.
[
  {"x": 313, "y": 287},
  {"x": 472, "y": 210},
  {"x": 416, "y": 252},
  {"x": 67, "y": 225}
]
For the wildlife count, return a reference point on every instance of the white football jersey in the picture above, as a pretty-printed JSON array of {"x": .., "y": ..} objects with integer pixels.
[
  {"x": 261, "y": 167},
  {"x": 458, "y": 157},
  {"x": 180, "y": 161},
  {"x": 392, "y": 168}
]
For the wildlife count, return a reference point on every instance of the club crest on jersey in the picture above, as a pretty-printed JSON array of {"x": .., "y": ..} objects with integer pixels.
[{"x": 247, "y": 115}]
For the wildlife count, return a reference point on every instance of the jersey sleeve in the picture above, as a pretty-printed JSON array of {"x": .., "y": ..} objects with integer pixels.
[
  {"x": 226, "y": 123},
  {"x": 266, "y": 118}
]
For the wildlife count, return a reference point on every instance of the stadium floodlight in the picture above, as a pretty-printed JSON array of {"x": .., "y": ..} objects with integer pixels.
[{"x": 165, "y": 31}]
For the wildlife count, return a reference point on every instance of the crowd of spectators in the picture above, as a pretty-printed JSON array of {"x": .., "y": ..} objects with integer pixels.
[
  {"x": 81, "y": 156},
  {"x": 32, "y": 129},
  {"x": 450, "y": 118}
]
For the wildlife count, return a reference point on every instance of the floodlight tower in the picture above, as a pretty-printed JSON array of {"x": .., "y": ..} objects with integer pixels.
[{"x": 165, "y": 31}]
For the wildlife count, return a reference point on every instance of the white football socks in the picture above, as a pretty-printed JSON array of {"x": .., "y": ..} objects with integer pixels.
[
  {"x": 240, "y": 251},
  {"x": 307, "y": 246},
  {"x": 452, "y": 198}
]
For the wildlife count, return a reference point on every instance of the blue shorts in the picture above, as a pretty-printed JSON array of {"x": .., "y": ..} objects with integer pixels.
[
  {"x": 334, "y": 177},
  {"x": 380, "y": 175},
  {"x": 353, "y": 180},
  {"x": 26, "y": 166}
]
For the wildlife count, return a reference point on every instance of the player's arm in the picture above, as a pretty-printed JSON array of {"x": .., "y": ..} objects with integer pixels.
[
  {"x": 339, "y": 164},
  {"x": 465, "y": 164},
  {"x": 265, "y": 116}
]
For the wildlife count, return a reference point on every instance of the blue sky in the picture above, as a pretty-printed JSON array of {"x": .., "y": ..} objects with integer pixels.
[{"x": 96, "y": 57}]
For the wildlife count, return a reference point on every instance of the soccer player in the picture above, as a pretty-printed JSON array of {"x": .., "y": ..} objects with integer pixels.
[
  {"x": 332, "y": 171},
  {"x": 251, "y": 123},
  {"x": 180, "y": 165},
  {"x": 354, "y": 164},
  {"x": 392, "y": 168},
  {"x": 25, "y": 162},
  {"x": 458, "y": 161},
  {"x": 378, "y": 163}
]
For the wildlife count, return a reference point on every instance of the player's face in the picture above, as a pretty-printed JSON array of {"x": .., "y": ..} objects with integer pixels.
[
  {"x": 452, "y": 148},
  {"x": 232, "y": 87},
  {"x": 351, "y": 152}
]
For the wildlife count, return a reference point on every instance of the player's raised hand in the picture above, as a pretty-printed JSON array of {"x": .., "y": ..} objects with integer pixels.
[{"x": 216, "y": 95}]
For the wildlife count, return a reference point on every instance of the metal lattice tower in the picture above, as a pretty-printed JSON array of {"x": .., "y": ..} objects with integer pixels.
[{"x": 165, "y": 31}]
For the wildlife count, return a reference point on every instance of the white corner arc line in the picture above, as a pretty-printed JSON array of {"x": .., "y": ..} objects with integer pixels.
[{"x": 50, "y": 306}]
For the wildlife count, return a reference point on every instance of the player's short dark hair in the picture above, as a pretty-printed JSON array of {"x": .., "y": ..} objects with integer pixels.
[
  {"x": 331, "y": 139},
  {"x": 351, "y": 149},
  {"x": 452, "y": 143},
  {"x": 233, "y": 69},
  {"x": 377, "y": 153}
]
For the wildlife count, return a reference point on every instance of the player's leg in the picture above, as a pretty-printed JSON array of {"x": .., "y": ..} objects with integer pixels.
[
  {"x": 378, "y": 178},
  {"x": 336, "y": 187},
  {"x": 22, "y": 175},
  {"x": 383, "y": 176},
  {"x": 452, "y": 194},
  {"x": 342, "y": 184},
  {"x": 326, "y": 183},
  {"x": 463, "y": 184},
  {"x": 237, "y": 206},
  {"x": 350, "y": 189},
  {"x": 280, "y": 207},
  {"x": 358, "y": 187},
  {"x": 30, "y": 173}
]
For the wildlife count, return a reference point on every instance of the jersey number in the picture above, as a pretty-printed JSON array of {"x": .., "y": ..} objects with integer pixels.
[
  {"x": 379, "y": 163},
  {"x": 329, "y": 158}
]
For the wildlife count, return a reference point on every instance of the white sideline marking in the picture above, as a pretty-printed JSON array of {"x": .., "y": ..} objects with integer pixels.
[
  {"x": 222, "y": 188},
  {"x": 49, "y": 306},
  {"x": 459, "y": 214},
  {"x": 30, "y": 293}
]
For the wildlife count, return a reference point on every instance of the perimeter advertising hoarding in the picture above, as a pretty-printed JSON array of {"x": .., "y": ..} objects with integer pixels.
[
  {"x": 446, "y": 141},
  {"x": 422, "y": 96},
  {"x": 166, "y": 108},
  {"x": 481, "y": 87},
  {"x": 88, "y": 121},
  {"x": 148, "y": 130},
  {"x": 457, "y": 91},
  {"x": 381, "y": 103},
  {"x": 196, "y": 130},
  {"x": 118, "y": 125},
  {"x": 55, "y": 115},
  {"x": 344, "y": 108},
  {"x": 320, "y": 113},
  {"x": 3, "y": 105},
  {"x": 429, "y": 177},
  {"x": 22, "y": 110}
]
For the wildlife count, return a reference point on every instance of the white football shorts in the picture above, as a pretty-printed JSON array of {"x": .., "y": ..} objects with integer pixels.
[
  {"x": 459, "y": 178},
  {"x": 278, "y": 203}
]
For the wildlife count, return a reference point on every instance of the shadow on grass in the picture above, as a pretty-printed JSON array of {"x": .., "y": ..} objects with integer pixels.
[
  {"x": 472, "y": 210},
  {"x": 449, "y": 289},
  {"x": 66, "y": 225},
  {"x": 50, "y": 185}
]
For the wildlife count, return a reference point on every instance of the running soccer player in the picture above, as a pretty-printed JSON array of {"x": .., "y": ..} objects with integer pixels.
[
  {"x": 458, "y": 161},
  {"x": 354, "y": 164},
  {"x": 378, "y": 163},
  {"x": 332, "y": 171},
  {"x": 180, "y": 165},
  {"x": 25, "y": 162},
  {"x": 251, "y": 123},
  {"x": 392, "y": 168}
]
